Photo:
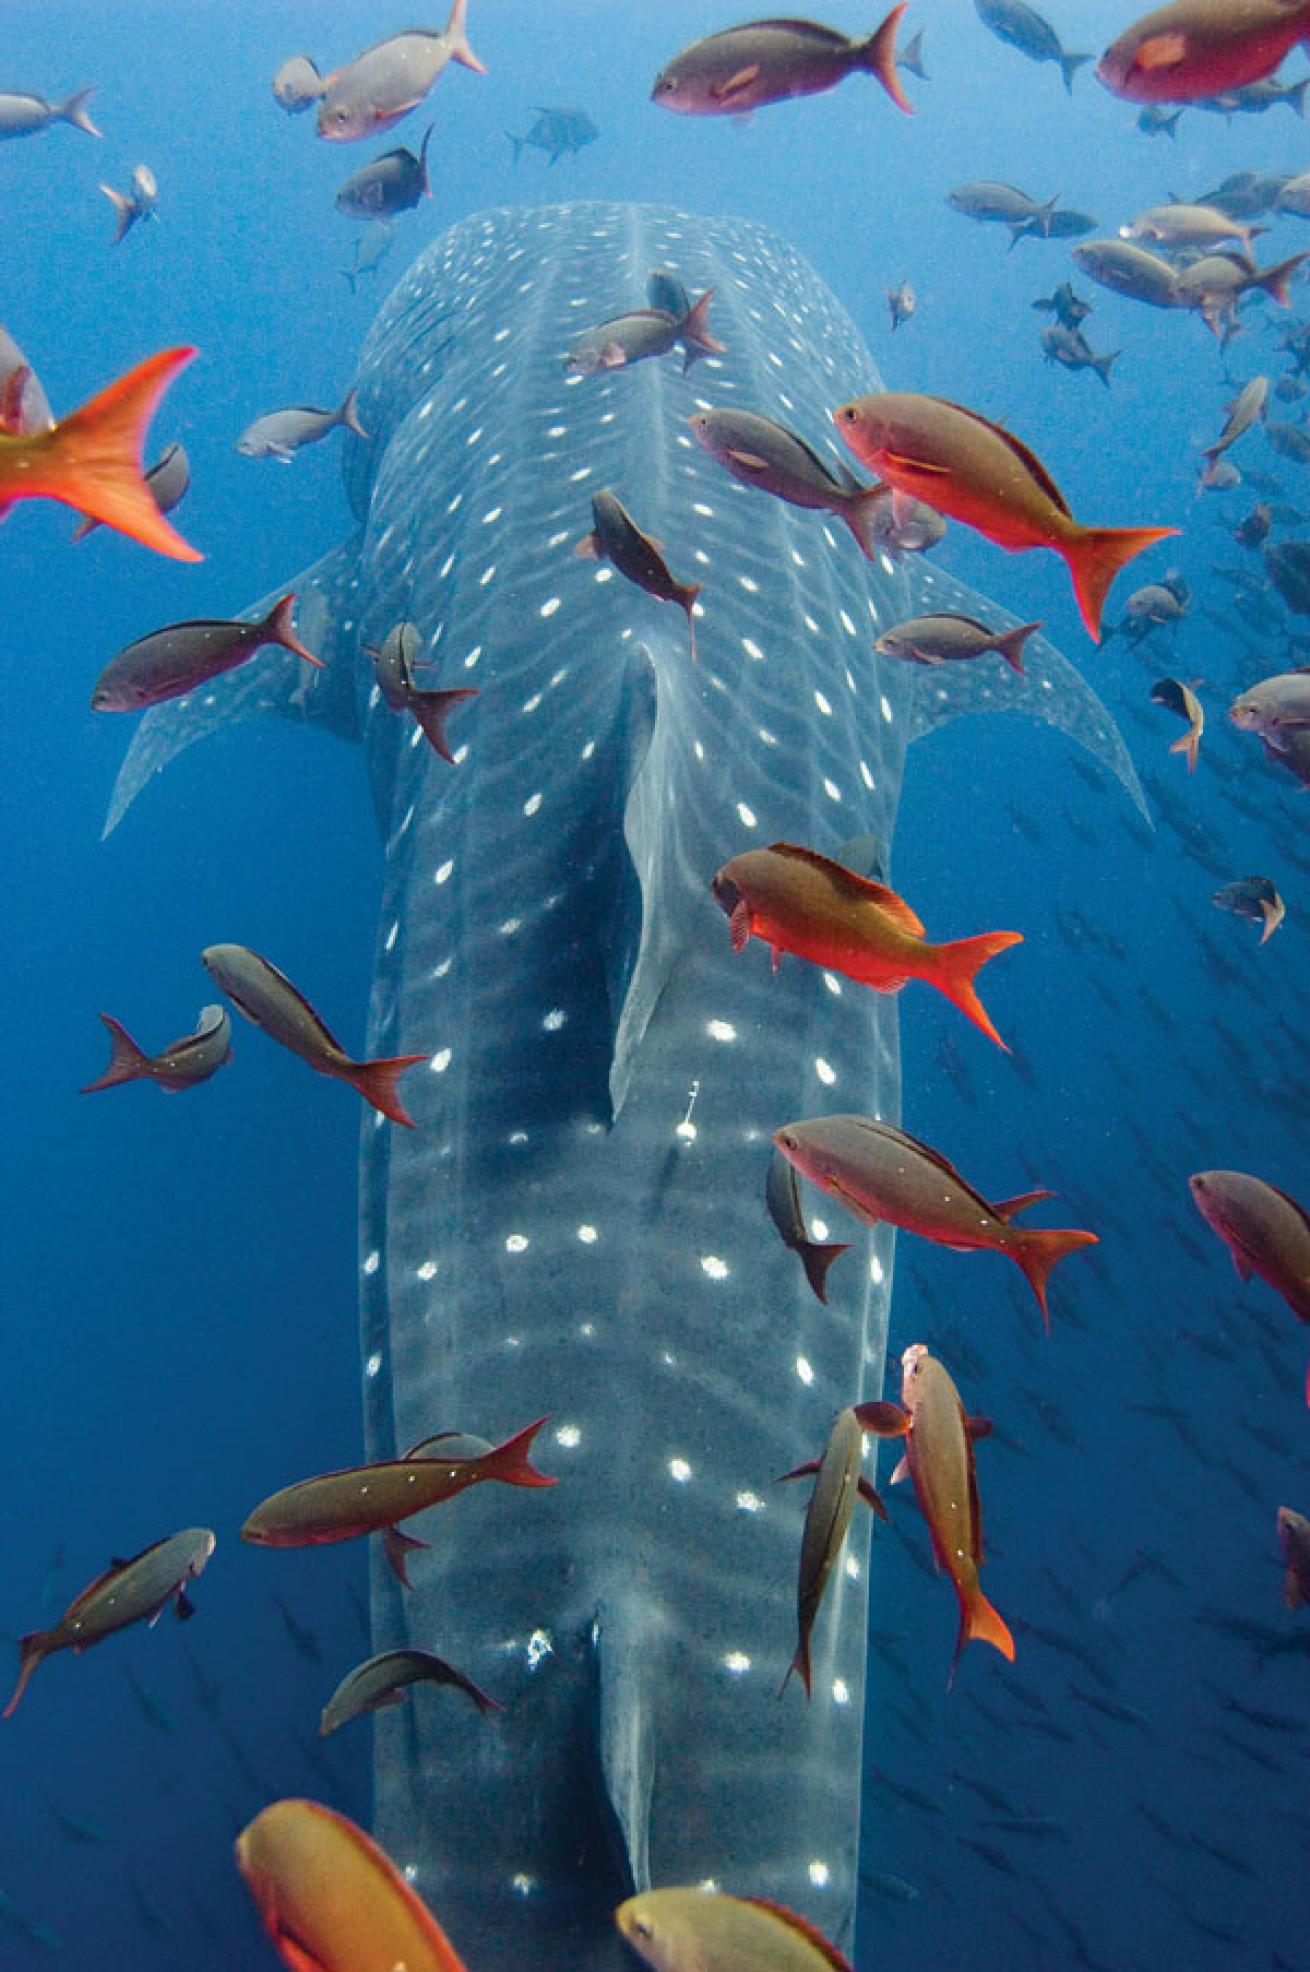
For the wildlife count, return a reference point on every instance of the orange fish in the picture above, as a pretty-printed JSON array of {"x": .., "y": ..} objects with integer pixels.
[
  {"x": 331, "y": 1901},
  {"x": 927, "y": 448},
  {"x": 939, "y": 1440},
  {"x": 801, "y": 902},
  {"x": 92, "y": 459}
]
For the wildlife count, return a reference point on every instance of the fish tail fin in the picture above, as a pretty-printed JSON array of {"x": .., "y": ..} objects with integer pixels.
[
  {"x": 127, "y": 1062},
  {"x": 510, "y": 1462},
  {"x": 348, "y": 274},
  {"x": 1274, "y": 279},
  {"x": 432, "y": 709},
  {"x": 74, "y": 112},
  {"x": 1273, "y": 915},
  {"x": 31, "y": 1649},
  {"x": 955, "y": 966},
  {"x": 1069, "y": 67},
  {"x": 1104, "y": 364},
  {"x": 860, "y": 513},
  {"x": 398, "y": 1546},
  {"x": 277, "y": 628},
  {"x": 800, "y": 1664},
  {"x": 518, "y": 143},
  {"x": 91, "y": 460},
  {"x": 1010, "y": 646},
  {"x": 1170, "y": 125},
  {"x": 124, "y": 211},
  {"x": 84, "y": 527},
  {"x": 1296, "y": 97},
  {"x": 348, "y": 415},
  {"x": 694, "y": 331},
  {"x": 911, "y": 57},
  {"x": 1293, "y": 1593},
  {"x": 878, "y": 55},
  {"x": 981, "y": 1622},
  {"x": 816, "y": 1261},
  {"x": 377, "y": 1082},
  {"x": 1190, "y": 744},
  {"x": 1095, "y": 555},
  {"x": 456, "y": 38},
  {"x": 1039, "y": 1250}
]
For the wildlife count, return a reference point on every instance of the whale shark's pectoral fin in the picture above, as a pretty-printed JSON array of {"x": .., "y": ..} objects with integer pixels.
[
  {"x": 267, "y": 684},
  {"x": 625, "y": 1741},
  {"x": 1050, "y": 688}
]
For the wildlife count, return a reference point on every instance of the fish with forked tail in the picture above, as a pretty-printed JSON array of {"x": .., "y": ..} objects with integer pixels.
[{"x": 743, "y": 68}]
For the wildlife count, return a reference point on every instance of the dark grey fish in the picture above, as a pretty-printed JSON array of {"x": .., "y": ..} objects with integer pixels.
[
  {"x": 1253, "y": 898},
  {"x": 666, "y": 291},
  {"x": 1289, "y": 441},
  {"x": 381, "y": 1681},
  {"x": 1254, "y": 98},
  {"x": 1248, "y": 194},
  {"x": 139, "y": 203},
  {"x": 392, "y": 183},
  {"x": 181, "y": 1065},
  {"x": 838, "y": 1482},
  {"x": 394, "y": 662},
  {"x": 169, "y": 480},
  {"x": 902, "y": 302},
  {"x": 994, "y": 202},
  {"x": 128, "y": 1592},
  {"x": 1288, "y": 566},
  {"x": 643, "y": 333},
  {"x": 281, "y": 434},
  {"x": 559, "y": 133},
  {"x": 1156, "y": 121},
  {"x": 371, "y": 248},
  {"x": 1072, "y": 351},
  {"x": 22, "y": 115},
  {"x": 782, "y": 1197},
  {"x": 1067, "y": 306},
  {"x": 761, "y": 452},
  {"x": 1022, "y": 27},
  {"x": 616, "y": 538},
  {"x": 173, "y": 661},
  {"x": 1064, "y": 223},
  {"x": 297, "y": 85}
]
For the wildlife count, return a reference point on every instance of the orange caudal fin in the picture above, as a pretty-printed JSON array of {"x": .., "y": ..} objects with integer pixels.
[
  {"x": 456, "y": 37},
  {"x": 1095, "y": 555},
  {"x": 510, "y": 1462},
  {"x": 432, "y": 709},
  {"x": 1190, "y": 744},
  {"x": 878, "y": 55},
  {"x": 31, "y": 1650},
  {"x": 694, "y": 332},
  {"x": 126, "y": 1061},
  {"x": 955, "y": 966},
  {"x": 278, "y": 628},
  {"x": 980, "y": 1622},
  {"x": 1038, "y": 1250},
  {"x": 1010, "y": 646},
  {"x": 92, "y": 458},
  {"x": 376, "y": 1082}
]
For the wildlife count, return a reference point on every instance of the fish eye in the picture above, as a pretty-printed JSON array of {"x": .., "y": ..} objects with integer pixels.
[{"x": 642, "y": 1928}]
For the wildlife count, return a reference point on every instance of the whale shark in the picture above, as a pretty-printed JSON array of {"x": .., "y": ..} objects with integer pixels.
[{"x": 576, "y": 1226}]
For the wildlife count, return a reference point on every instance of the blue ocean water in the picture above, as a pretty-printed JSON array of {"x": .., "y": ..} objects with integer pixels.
[{"x": 181, "y": 1273}]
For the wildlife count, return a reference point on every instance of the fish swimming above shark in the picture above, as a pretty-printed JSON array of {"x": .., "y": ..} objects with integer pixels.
[{"x": 576, "y": 1223}]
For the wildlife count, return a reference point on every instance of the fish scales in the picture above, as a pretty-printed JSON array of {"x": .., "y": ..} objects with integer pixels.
[{"x": 577, "y": 1217}]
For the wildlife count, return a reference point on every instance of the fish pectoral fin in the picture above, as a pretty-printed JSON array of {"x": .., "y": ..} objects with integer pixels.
[
  {"x": 736, "y": 84},
  {"x": 902, "y": 462},
  {"x": 589, "y": 549},
  {"x": 882, "y": 1419},
  {"x": 853, "y": 1205},
  {"x": 748, "y": 461},
  {"x": 868, "y": 1492},
  {"x": 1161, "y": 51},
  {"x": 398, "y": 1547},
  {"x": 613, "y": 356},
  {"x": 978, "y": 1427},
  {"x": 900, "y": 1472},
  {"x": 806, "y": 1471},
  {"x": 1245, "y": 1270},
  {"x": 183, "y": 1607}
]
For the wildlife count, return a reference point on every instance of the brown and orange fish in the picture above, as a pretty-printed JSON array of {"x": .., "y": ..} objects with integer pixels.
[{"x": 799, "y": 901}]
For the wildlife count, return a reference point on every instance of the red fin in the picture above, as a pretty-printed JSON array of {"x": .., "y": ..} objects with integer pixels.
[
  {"x": 694, "y": 328},
  {"x": 376, "y": 1082},
  {"x": 510, "y": 1461},
  {"x": 954, "y": 967},
  {"x": 277, "y": 629},
  {"x": 739, "y": 925},
  {"x": 800, "y": 1664},
  {"x": 455, "y": 35},
  {"x": 398, "y": 1547},
  {"x": 806, "y": 1471},
  {"x": 879, "y": 56},
  {"x": 126, "y": 1061},
  {"x": 31, "y": 1650},
  {"x": 1038, "y": 1252},
  {"x": 92, "y": 459},
  {"x": 1190, "y": 744},
  {"x": 589, "y": 549},
  {"x": 980, "y": 1621},
  {"x": 1005, "y": 1208},
  {"x": 816, "y": 1261},
  {"x": 1010, "y": 646},
  {"x": 882, "y": 1419},
  {"x": 432, "y": 709},
  {"x": 800, "y": 1925},
  {"x": 12, "y": 391},
  {"x": 977, "y": 1428},
  {"x": 1095, "y": 555},
  {"x": 868, "y": 1492}
]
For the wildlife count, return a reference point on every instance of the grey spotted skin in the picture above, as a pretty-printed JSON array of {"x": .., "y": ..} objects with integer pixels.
[{"x": 576, "y": 1224}]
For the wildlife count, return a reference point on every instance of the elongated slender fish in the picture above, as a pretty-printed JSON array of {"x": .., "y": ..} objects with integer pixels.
[
  {"x": 135, "y": 1591},
  {"x": 975, "y": 471},
  {"x": 372, "y": 1499},
  {"x": 1242, "y": 413},
  {"x": 646, "y": 332},
  {"x": 281, "y": 434},
  {"x": 268, "y": 999},
  {"x": 838, "y": 1483},
  {"x": 1022, "y": 27},
  {"x": 706, "y": 1931},
  {"x": 883, "y": 1176},
  {"x": 173, "y": 661},
  {"x": 1192, "y": 49},
  {"x": 331, "y": 1901},
  {"x": 1266, "y": 1231},
  {"x": 784, "y": 1205},
  {"x": 92, "y": 459},
  {"x": 394, "y": 661},
  {"x": 798, "y": 901},
  {"x": 384, "y": 1679},
  {"x": 743, "y": 68},
  {"x": 181, "y": 1065},
  {"x": 761, "y": 452},
  {"x": 949, "y": 639},
  {"x": 939, "y": 1439},
  {"x": 616, "y": 538}
]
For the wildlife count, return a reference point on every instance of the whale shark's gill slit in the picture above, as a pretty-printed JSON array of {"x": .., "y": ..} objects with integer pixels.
[{"x": 624, "y": 1741}]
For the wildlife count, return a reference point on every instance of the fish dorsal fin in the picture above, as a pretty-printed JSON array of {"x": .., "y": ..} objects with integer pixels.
[
  {"x": 1005, "y": 1208},
  {"x": 861, "y": 889},
  {"x": 803, "y": 1929},
  {"x": 1028, "y": 459},
  {"x": 943, "y": 1164}
]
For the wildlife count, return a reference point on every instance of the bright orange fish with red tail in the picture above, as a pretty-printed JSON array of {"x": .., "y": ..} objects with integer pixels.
[{"x": 798, "y": 901}]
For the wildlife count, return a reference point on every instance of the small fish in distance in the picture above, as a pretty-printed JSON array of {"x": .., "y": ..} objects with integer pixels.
[
  {"x": 173, "y": 661},
  {"x": 297, "y": 86},
  {"x": 382, "y": 1681},
  {"x": 394, "y": 664},
  {"x": 974, "y": 471},
  {"x": 1023, "y": 28},
  {"x": 559, "y": 133},
  {"x": 947, "y": 639},
  {"x": 1175, "y": 696},
  {"x": 796, "y": 900},
  {"x": 392, "y": 183},
  {"x": 901, "y": 303},
  {"x": 744, "y": 68},
  {"x": 616, "y": 538},
  {"x": 281, "y": 434},
  {"x": 21, "y": 115},
  {"x": 135, "y": 1591},
  {"x": 1256, "y": 899},
  {"x": 139, "y": 203},
  {"x": 269, "y": 1000},
  {"x": 181, "y": 1065},
  {"x": 330, "y": 1900}
]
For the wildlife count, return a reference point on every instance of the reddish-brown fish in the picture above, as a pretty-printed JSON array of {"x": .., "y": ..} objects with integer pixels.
[
  {"x": 799, "y": 901},
  {"x": 975, "y": 471},
  {"x": 837, "y": 1482},
  {"x": 1266, "y": 1231},
  {"x": 1294, "y": 1533},
  {"x": 179, "y": 1066},
  {"x": 1197, "y": 48}
]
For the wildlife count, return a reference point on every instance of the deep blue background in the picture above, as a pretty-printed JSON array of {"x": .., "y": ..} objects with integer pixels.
[{"x": 179, "y": 1274}]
